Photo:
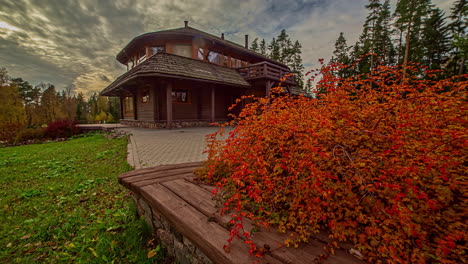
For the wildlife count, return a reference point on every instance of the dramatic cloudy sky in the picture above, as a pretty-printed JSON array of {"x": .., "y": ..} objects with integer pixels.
[{"x": 74, "y": 42}]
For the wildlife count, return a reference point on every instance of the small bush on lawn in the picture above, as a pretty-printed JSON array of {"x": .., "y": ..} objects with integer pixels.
[
  {"x": 378, "y": 160},
  {"x": 61, "y": 129}
]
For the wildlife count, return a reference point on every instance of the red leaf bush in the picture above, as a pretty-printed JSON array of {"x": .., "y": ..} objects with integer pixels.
[
  {"x": 62, "y": 129},
  {"x": 376, "y": 160}
]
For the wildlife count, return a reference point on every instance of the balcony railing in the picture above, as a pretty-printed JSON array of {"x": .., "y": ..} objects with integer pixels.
[{"x": 265, "y": 70}]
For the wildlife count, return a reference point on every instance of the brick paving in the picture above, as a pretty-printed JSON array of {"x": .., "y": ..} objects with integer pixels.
[{"x": 153, "y": 147}]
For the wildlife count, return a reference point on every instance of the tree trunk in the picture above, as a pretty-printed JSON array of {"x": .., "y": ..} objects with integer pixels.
[{"x": 408, "y": 37}]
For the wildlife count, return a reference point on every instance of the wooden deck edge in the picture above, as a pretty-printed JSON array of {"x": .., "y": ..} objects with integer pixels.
[{"x": 189, "y": 207}]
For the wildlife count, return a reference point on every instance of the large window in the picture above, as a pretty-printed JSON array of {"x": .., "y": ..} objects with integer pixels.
[
  {"x": 157, "y": 49},
  {"x": 128, "y": 105},
  {"x": 183, "y": 50},
  {"x": 215, "y": 57}
]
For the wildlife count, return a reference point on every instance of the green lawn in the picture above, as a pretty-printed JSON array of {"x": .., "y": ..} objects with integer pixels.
[{"x": 61, "y": 203}]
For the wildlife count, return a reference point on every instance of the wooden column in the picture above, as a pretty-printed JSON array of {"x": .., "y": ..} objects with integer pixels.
[
  {"x": 155, "y": 99},
  {"x": 213, "y": 104},
  {"x": 122, "y": 107},
  {"x": 268, "y": 86},
  {"x": 135, "y": 107},
  {"x": 169, "y": 104}
]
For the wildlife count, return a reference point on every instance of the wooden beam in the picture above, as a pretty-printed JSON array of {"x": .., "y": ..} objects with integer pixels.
[
  {"x": 169, "y": 104},
  {"x": 148, "y": 52},
  {"x": 212, "y": 116},
  {"x": 122, "y": 107},
  {"x": 155, "y": 99},
  {"x": 268, "y": 86}
]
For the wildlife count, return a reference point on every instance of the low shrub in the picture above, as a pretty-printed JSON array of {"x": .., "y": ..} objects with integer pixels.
[
  {"x": 8, "y": 131},
  {"x": 62, "y": 129},
  {"x": 30, "y": 134},
  {"x": 378, "y": 160}
]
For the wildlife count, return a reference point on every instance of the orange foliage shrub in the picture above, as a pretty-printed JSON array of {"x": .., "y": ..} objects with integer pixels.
[{"x": 376, "y": 161}]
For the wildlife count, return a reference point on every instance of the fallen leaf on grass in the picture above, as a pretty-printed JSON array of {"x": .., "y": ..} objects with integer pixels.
[
  {"x": 26, "y": 236},
  {"x": 151, "y": 253}
]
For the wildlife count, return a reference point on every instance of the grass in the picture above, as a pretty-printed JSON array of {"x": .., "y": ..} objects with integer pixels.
[{"x": 61, "y": 203}]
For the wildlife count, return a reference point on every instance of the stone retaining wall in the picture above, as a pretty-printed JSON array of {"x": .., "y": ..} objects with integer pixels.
[
  {"x": 177, "y": 245},
  {"x": 163, "y": 124}
]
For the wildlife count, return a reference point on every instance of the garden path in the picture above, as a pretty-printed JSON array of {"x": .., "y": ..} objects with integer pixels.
[{"x": 153, "y": 147}]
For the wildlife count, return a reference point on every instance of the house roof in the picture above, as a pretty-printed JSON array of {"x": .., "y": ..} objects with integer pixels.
[
  {"x": 189, "y": 31},
  {"x": 170, "y": 65}
]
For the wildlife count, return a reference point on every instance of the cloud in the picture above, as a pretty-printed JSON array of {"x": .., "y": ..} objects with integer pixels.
[{"x": 74, "y": 43}]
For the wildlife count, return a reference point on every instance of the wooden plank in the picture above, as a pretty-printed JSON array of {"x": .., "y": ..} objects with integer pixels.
[
  {"x": 157, "y": 174},
  {"x": 208, "y": 236},
  {"x": 201, "y": 199},
  {"x": 160, "y": 168},
  {"x": 136, "y": 187}
]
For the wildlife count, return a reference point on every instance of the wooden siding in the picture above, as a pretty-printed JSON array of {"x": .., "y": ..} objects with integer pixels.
[{"x": 145, "y": 110}]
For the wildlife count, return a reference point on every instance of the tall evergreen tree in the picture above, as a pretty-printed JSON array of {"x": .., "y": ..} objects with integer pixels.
[
  {"x": 254, "y": 45},
  {"x": 383, "y": 45},
  {"x": 409, "y": 19},
  {"x": 458, "y": 26},
  {"x": 285, "y": 47},
  {"x": 435, "y": 39},
  {"x": 296, "y": 64},
  {"x": 263, "y": 47},
  {"x": 340, "y": 55},
  {"x": 274, "y": 49}
]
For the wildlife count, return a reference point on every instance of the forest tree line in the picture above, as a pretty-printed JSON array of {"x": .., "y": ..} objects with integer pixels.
[
  {"x": 416, "y": 31},
  {"x": 25, "y": 105}
]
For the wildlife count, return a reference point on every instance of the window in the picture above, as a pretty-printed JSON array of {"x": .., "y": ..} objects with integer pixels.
[
  {"x": 128, "y": 104},
  {"x": 180, "y": 96},
  {"x": 201, "y": 54},
  {"x": 214, "y": 57},
  {"x": 157, "y": 49},
  {"x": 145, "y": 96},
  {"x": 183, "y": 50}
]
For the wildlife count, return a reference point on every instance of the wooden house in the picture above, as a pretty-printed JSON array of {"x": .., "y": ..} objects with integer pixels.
[{"x": 186, "y": 77}]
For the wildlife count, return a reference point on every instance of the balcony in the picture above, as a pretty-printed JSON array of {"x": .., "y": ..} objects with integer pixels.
[{"x": 265, "y": 70}]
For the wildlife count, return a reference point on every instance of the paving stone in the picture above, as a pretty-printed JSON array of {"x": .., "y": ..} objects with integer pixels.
[{"x": 153, "y": 147}]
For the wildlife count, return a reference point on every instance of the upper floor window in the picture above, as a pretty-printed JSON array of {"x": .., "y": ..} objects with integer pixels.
[
  {"x": 201, "y": 54},
  {"x": 183, "y": 50},
  {"x": 157, "y": 49},
  {"x": 215, "y": 57}
]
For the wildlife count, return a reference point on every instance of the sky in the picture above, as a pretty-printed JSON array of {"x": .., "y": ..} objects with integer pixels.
[{"x": 73, "y": 43}]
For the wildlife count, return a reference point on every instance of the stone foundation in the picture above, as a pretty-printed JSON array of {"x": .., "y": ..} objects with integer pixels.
[
  {"x": 163, "y": 124},
  {"x": 177, "y": 245}
]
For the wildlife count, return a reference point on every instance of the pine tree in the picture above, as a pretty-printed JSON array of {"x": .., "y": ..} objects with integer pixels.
[
  {"x": 296, "y": 64},
  {"x": 340, "y": 55},
  {"x": 382, "y": 40},
  {"x": 263, "y": 47},
  {"x": 274, "y": 50},
  {"x": 435, "y": 39},
  {"x": 254, "y": 45},
  {"x": 285, "y": 47},
  {"x": 458, "y": 26},
  {"x": 409, "y": 18}
]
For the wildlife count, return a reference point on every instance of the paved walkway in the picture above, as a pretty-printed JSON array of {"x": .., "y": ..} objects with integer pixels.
[{"x": 153, "y": 147}]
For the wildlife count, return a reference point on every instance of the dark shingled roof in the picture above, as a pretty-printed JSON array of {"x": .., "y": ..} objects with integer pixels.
[
  {"x": 190, "y": 31},
  {"x": 170, "y": 65}
]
